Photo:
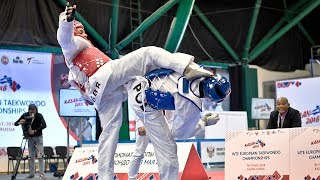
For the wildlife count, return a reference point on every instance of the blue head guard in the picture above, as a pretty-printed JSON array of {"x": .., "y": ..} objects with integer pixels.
[{"x": 217, "y": 89}]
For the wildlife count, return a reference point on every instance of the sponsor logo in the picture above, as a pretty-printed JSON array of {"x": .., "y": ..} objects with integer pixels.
[
  {"x": 29, "y": 59},
  {"x": 87, "y": 160},
  {"x": 78, "y": 102},
  {"x": 32, "y": 60},
  {"x": 4, "y": 60},
  {"x": 315, "y": 142},
  {"x": 7, "y": 82},
  {"x": 17, "y": 60},
  {"x": 287, "y": 84},
  {"x": 210, "y": 151},
  {"x": 263, "y": 107},
  {"x": 311, "y": 115},
  {"x": 256, "y": 144}
]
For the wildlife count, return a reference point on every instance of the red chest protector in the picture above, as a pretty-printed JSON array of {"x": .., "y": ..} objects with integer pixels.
[{"x": 90, "y": 60}]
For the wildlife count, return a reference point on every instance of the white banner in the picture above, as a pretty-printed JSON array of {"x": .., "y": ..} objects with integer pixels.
[
  {"x": 261, "y": 108},
  {"x": 212, "y": 151},
  {"x": 83, "y": 162},
  {"x": 260, "y": 154},
  {"x": 305, "y": 153},
  {"x": 72, "y": 104},
  {"x": 229, "y": 121},
  {"x": 292, "y": 153},
  {"x": 26, "y": 77},
  {"x": 303, "y": 96}
]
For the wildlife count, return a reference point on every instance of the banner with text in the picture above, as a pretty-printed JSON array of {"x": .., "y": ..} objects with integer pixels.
[
  {"x": 302, "y": 95},
  {"x": 261, "y": 108},
  {"x": 83, "y": 164},
  {"x": 305, "y": 153},
  {"x": 212, "y": 152},
  {"x": 25, "y": 78},
  {"x": 71, "y": 104},
  {"x": 257, "y": 154}
]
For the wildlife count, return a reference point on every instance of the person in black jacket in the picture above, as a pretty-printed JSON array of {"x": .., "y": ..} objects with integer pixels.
[
  {"x": 284, "y": 116},
  {"x": 32, "y": 124}
]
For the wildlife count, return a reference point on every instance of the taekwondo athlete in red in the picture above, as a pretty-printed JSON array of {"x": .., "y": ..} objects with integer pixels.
[{"x": 100, "y": 81}]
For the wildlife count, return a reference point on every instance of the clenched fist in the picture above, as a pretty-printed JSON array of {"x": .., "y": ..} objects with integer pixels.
[{"x": 70, "y": 11}]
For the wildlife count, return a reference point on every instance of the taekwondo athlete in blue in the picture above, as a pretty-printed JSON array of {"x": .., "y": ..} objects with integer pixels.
[{"x": 167, "y": 90}]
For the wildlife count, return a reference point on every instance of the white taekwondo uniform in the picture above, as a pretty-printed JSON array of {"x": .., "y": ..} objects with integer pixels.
[
  {"x": 100, "y": 80},
  {"x": 184, "y": 121}
]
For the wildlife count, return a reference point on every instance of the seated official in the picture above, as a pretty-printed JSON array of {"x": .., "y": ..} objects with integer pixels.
[{"x": 284, "y": 116}]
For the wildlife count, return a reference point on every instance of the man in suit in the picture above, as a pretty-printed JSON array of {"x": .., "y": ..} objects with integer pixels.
[{"x": 284, "y": 116}]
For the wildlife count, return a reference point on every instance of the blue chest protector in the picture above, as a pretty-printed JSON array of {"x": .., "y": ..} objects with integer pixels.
[{"x": 156, "y": 98}]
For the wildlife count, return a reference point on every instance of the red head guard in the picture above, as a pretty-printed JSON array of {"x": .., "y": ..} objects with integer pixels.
[{"x": 78, "y": 24}]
